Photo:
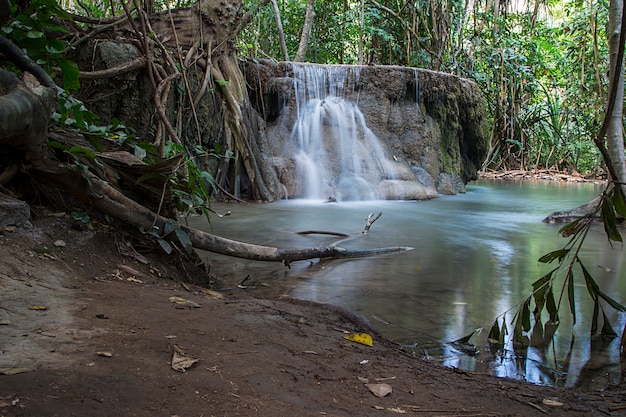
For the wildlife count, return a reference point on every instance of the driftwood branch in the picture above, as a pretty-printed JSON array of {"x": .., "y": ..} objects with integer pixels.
[{"x": 369, "y": 221}]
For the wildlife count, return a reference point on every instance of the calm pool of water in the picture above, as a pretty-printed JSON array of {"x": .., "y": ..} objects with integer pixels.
[{"x": 474, "y": 258}]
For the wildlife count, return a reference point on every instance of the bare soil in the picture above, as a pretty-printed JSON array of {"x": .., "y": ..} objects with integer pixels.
[{"x": 88, "y": 327}]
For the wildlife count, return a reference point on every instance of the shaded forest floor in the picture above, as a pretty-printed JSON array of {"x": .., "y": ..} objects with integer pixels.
[{"x": 89, "y": 327}]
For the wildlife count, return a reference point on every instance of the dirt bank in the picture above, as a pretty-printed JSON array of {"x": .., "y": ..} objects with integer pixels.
[{"x": 88, "y": 327}]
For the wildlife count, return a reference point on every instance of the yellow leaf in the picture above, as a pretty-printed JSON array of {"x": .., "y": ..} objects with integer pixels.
[
  {"x": 38, "y": 307},
  {"x": 362, "y": 338}
]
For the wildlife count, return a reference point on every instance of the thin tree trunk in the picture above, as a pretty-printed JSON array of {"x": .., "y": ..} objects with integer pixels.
[
  {"x": 361, "y": 29},
  {"x": 306, "y": 31},
  {"x": 281, "y": 33},
  {"x": 614, "y": 133}
]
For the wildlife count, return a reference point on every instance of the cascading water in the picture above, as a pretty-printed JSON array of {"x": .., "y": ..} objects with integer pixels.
[{"x": 338, "y": 157}]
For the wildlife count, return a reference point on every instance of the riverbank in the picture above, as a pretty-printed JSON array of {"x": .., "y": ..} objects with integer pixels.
[
  {"x": 541, "y": 175},
  {"x": 91, "y": 325}
]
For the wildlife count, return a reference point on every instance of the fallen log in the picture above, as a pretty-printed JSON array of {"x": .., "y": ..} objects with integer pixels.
[{"x": 105, "y": 198}]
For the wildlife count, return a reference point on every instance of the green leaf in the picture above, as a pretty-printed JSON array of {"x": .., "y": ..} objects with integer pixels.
[
  {"x": 571, "y": 227},
  {"x": 522, "y": 322},
  {"x": 208, "y": 178},
  {"x": 169, "y": 227},
  {"x": 540, "y": 287},
  {"x": 57, "y": 145},
  {"x": 594, "y": 318},
  {"x": 611, "y": 301},
  {"x": 607, "y": 214},
  {"x": 570, "y": 294},
  {"x": 618, "y": 202},
  {"x": 592, "y": 286},
  {"x": 551, "y": 256},
  {"x": 165, "y": 245},
  {"x": 34, "y": 34},
  {"x": 553, "y": 311},
  {"x": 95, "y": 141},
  {"x": 504, "y": 331},
  {"x": 607, "y": 330},
  {"x": 82, "y": 151},
  {"x": 185, "y": 240},
  {"x": 494, "y": 334}
]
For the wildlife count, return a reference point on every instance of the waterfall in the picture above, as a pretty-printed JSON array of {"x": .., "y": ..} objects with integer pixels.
[{"x": 337, "y": 155}]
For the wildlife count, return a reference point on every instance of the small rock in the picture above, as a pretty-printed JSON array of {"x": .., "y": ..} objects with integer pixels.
[{"x": 59, "y": 243}]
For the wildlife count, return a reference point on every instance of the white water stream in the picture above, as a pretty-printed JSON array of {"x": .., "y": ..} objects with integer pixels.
[{"x": 338, "y": 157}]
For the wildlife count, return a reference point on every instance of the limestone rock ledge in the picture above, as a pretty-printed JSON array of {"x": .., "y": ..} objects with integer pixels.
[{"x": 434, "y": 123}]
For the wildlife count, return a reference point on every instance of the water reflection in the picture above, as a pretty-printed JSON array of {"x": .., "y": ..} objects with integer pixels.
[{"x": 475, "y": 257}]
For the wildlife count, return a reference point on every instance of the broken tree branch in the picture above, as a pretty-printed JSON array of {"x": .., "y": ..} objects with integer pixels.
[{"x": 369, "y": 221}]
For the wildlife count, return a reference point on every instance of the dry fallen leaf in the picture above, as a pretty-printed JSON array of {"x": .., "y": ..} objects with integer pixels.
[
  {"x": 212, "y": 294},
  {"x": 38, "y": 307},
  {"x": 104, "y": 354},
  {"x": 553, "y": 403},
  {"x": 182, "y": 301},
  {"x": 362, "y": 338},
  {"x": 379, "y": 390},
  {"x": 180, "y": 361}
]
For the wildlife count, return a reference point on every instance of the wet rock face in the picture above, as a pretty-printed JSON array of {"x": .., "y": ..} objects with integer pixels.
[{"x": 432, "y": 125}]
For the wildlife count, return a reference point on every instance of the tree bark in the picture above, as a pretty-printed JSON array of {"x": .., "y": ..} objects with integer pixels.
[
  {"x": 24, "y": 115},
  {"x": 614, "y": 133},
  {"x": 281, "y": 33},
  {"x": 306, "y": 31}
]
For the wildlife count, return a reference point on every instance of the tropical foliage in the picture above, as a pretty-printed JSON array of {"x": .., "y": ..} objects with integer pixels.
[{"x": 542, "y": 66}]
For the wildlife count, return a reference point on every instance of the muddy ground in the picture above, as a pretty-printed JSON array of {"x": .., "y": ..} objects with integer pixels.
[{"x": 89, "y": 327}]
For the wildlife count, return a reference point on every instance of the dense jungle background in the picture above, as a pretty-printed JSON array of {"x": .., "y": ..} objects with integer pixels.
[{"x": 550, "y": 74}]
